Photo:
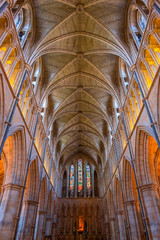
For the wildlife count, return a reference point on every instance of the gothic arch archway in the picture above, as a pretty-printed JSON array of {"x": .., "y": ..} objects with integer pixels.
[
  {"x": 14, "y": 160},
  {"x": 146, "y": 160},
  {"x": 42, "y": 209},
  {"x": 29, "y": 202}
]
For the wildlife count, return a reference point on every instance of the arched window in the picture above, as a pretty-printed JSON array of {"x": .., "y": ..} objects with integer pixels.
[
  {"x": 80, "y": 179},
  {"x": 137, "y": 19},
  {"x": 88, "y": 176},
  {"x": 19, "y": 20},
  {"x": 71, "y": 180},
  {"x": 88, "y": 172},
  {"x": 80, "y": 176},
  {"x": 134, "y": 26},
  {"x": 124, "y": 74},
  {"x": 23, "y": 21},
  {"x": 142, "y": 21}
]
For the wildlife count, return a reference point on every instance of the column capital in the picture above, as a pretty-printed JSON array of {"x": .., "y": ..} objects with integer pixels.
[
  {"x": 114, "y": 136},
  {"x": 108, "y": 156},
  {"x": 49, "y": 218},
  {"x": 152, "y": 124},
  {"x": 133, "y": 67},
  {"x": 30, "y": 202},
  {"x": 148, "y": 186},
  {"x": 40, "y": 109},
  {"x": 129, "y": 202},
  {"x": 12, "y": 186},
  {"x": 144, "y": 99},
  {"x": 27, "y": 66},
  {"x": 120, "y": 212},
  {"x": 42, "y": 212},
  {"x": 121, "y": 110}
]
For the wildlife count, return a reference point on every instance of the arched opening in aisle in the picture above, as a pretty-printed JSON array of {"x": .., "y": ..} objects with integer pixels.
[
  {"x": 147, "y": 168},
  {"x": 12, "y": 167},
  {"x": 26, "y": 223},
  {"x": 132, "y": 202},
  {"x": 49, "y": 215},
  {"x": 42, "y": 208},
  {"x": 120, "y": 209},
  {"x": 113, "y": 224}
]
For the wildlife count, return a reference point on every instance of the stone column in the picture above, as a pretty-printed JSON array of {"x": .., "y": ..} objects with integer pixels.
[
  {"x": 75, "y": 180},
  {"x": 133, "y": 221},
  {"x": 11, "y": 195},
  {"x": 107, "y": 230},
  {"x": 88, "y": 220},
  {"x": 112, "y": 229},
  {"x": 151, "y": 203},
  {"x": 54, "y": 225},
  {"x": 48, "y": 230},
  {"x": 40, "y": 225},
  {"x": 71, "y": 226},
  {"x": 121, "y": 224},
  {"x": 92, "y": 171},
  {"x": 26, "y": 223},
  {"x": 68, "y": 176}
]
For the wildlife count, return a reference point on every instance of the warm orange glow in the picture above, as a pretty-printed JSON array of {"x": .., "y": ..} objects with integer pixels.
[
  {"x": 1, "y": 173},
  {"x": 3, "y": 49},
  {"x": 81, "y": 224},
  {"x": 158, "y": 169},
  {"x": 152, "y": 150},
  {"x": 9, "y": 61},
  {"x": 146, "y": 75}
]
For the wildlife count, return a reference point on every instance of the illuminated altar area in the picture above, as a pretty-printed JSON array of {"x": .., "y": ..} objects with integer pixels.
[{"x": 80, "y": 219}]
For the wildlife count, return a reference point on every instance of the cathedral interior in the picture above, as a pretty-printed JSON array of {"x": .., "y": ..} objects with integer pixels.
[{"x": 79, "y": 120}]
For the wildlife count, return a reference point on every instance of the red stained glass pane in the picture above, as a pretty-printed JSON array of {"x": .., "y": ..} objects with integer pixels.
[{"x": 80, "y": 176}]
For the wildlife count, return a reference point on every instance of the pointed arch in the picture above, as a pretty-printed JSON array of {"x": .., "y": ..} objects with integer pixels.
[
  {"x": 145, "y": 152},
  {"x": 31, "y": 191},
  {"x": 14, "y": 151}
]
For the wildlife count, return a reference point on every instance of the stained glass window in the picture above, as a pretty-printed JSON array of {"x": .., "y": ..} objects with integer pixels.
[
  {"x": 143, "y": 22},
  {"x": 72, "y": 177},
  {"x": 80, "y": 176},
  {"x": 88, "y": 172}
]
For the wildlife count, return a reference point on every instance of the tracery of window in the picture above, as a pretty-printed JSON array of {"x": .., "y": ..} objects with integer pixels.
[
  {"x": 22, "y": 20},
  {"x": 137, "y": 27},
  {"x": 141, "y": 21},
  {"x": 18, "y": 19},
  {"x": 72, "y": 177},
  {"x": 80, "y": 179},
  {"x": 88, "y": 173},
  {"x": 124, "y": 74},
  {"x": 80, "y": 176}
]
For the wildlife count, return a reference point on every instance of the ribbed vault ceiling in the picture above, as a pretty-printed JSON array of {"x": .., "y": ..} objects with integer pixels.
[{"x": 80, "y": 43}]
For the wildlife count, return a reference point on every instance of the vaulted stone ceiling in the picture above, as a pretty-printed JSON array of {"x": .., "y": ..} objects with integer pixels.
[{"x": 80, "y": 43}]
